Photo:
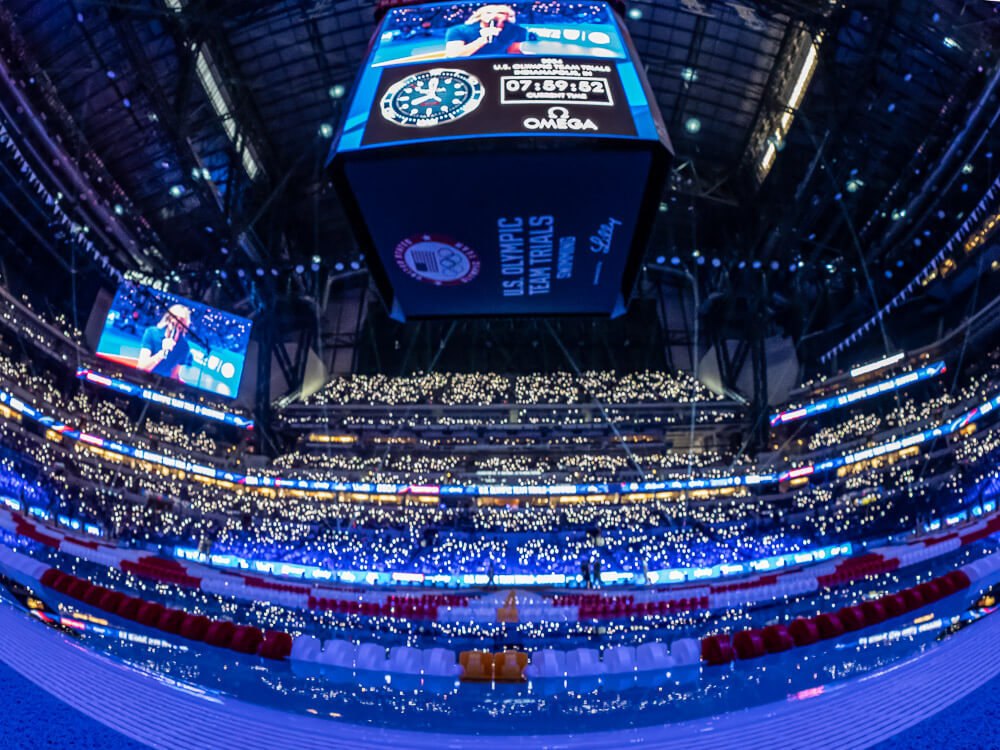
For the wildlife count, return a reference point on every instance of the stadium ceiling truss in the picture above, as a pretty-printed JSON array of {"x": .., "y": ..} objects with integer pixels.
[{"x": 214, "y": 119}]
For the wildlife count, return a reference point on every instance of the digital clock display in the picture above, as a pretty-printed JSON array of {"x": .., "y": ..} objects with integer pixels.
[{"x": 555, "y": 90}]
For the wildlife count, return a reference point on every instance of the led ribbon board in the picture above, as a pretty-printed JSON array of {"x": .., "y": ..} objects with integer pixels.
[
  {"x": 386, "y": 578},
  {"x": 852, "y": 397},
  {"x": 478, "y": 490},
  {"x": 501, "y": 159},
  {"x": 147, "y": 394}
]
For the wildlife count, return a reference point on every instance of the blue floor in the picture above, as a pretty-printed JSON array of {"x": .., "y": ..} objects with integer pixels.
[
  {"x": 972, "y": 723},
  {"x": 33, "y": 718}
]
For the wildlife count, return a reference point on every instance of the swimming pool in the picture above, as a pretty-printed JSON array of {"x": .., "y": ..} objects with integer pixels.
[{"x": 601, "y": 710}]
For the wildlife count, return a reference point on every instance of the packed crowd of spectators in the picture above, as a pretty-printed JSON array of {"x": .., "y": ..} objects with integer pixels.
[
  {"x": 142, "y": 503},
  {"x": 155, "y": 506},
  {"x": 402, "y": 464},
  {"x": 483, "y": 389},
  {"x": 909, "y": 410}
]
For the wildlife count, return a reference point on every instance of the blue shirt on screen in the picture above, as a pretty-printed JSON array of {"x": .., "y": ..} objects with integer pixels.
[
  {"x": 510, "y": 34},
  {"x": 152, "y": 339}
]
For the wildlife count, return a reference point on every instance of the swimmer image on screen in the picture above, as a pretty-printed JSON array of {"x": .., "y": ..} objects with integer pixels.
[{"x": 490, "y": 30}]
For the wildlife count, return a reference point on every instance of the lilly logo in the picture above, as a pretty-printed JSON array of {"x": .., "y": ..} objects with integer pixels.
[
  {"x": 558, "y": 119},
  {"x": 601, "y": 242}
]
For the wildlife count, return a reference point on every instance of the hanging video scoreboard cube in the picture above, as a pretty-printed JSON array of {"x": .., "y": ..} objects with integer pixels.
[{"x": 502, "y": 159}]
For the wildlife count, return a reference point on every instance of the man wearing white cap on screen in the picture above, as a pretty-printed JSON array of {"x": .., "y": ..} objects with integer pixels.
[{"x": 164, "y": 347}]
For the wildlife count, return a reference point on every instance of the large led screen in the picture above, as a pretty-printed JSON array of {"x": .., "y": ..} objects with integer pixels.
[
  {"x": 175, "y": 338},
  {"x": 536, "y": 249},
  {"x": 467, "y": 69},
  {"x": 501, "y": 159}
]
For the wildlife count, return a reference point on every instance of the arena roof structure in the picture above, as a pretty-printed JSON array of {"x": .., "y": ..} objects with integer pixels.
[{"x": 827, "y": 152}]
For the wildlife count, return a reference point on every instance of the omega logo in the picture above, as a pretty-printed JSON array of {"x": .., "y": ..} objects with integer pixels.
[{"x": 558, "y": 119}]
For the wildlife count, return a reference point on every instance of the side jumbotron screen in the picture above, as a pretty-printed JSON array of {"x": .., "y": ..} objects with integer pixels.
[{"x": 175, "y": 338}]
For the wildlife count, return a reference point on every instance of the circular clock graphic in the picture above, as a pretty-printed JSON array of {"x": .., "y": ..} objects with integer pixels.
[{"x": 432, "y": 97}]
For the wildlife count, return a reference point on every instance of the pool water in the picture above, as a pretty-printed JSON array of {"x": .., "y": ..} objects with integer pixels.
[
  {"x": 971, "y": 723},
  {"x": 559, "y": 705},
  {"x": 556, "y": 706}
]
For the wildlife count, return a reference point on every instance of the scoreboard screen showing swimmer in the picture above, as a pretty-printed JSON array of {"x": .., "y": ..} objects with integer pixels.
[{"x": 501, "y": 159}]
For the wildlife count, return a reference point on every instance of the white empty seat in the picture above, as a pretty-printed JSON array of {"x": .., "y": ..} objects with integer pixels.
[
  {"x": 653, "y": 656},
  {"x": 338, "y": 653},
  {"x": 620, "y": 659},
  {"x": 685, "y": 651},
  {"x": 546, "y": 663},
  {"x": 404, "y": 659},
  {"x": 582, "y": 662},
  {"x": 305, "y": 648},
  {"x": 441, "y": 662},
  {"x": 370, "y": 656}
]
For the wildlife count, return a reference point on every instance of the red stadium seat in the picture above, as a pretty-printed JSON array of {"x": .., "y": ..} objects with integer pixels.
[
  {"x": 149, "y": 614},
  {"x": 716, "y": 649},
  {"x": 79, "y": 589},
  {"x": 94, "y": 596},
  {"x": 246, "y": 639},
  {"x": 959, "y": 579},
  {"x": 194, "y": 627},
  {"x": 170, "y": 621},
  {"x": 220, "y": 633},
  {"x": 777, "y": 639},
  {"x": 129, "y": 608},
  {"x": 874, "y": 612},
  {"x": 111, "y": 601},
  {"x": 803, "y": 632},
  {"x": 944, "y": 586},
  {"x": 893, "y": 604},
  {"x": 64, "y": 583},
  {"x": 276, "y": 645},
  {"x": 49, "y": 577},
  {"x": 929, "y": 591},
  {"x": 852, "y": 618},
  {"x": 912, "y": 598},
  {"x": 749, "y": 644},
  {"x": 829, "y": 626}
]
